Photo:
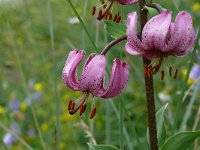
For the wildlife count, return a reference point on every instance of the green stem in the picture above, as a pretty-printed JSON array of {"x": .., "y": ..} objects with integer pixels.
[
  {"x": 83, "y": 25},
  {"x": 178, "y": 114},
  {"x": 121, "y": 124},
  {"x": 108, "y": 129},
  {"x": 57, "y": 100}
]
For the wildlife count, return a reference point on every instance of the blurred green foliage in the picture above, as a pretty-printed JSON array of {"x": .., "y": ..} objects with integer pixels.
[{"x": 27, "y": 57}]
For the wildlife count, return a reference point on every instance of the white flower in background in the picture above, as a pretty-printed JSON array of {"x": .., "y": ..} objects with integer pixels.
[
  {"x": 73, "y": 20},
  {"x": 164, "y": 97}
]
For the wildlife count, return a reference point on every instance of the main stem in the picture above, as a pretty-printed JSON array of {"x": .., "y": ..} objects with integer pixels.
[{"x": 149, "y": 88}]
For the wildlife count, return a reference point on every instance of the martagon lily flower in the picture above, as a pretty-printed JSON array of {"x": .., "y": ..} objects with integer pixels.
[
  {"x": 161, "y": 37},
  {"x": 92, "y": 79},
  {"x": 107, "y": 6}
]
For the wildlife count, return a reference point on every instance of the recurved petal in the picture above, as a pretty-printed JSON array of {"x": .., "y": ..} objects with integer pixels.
[
  {"x": 93, "y": 74},
  {"x": 155, "y": 31},
  {"x": 131, "y": 24},
  {"x": 183, "y": 35},
  {"x": 128, "y": 2},
  {"x": 69, "y": 70},
  {"x": 133, "y": 49},
  {"x": 118, "y": 80},
  {"x": 133, "y": 46}
]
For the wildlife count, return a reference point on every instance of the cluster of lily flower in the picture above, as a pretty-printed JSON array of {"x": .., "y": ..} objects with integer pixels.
[
  {"x": 17, "y": 110},
  {"x": 159, "y": 39}
]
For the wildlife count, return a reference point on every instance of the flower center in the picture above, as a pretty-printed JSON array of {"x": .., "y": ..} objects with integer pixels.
[
  {"x": 106, "y": 11},
  {"x": 81, "y": 104}
]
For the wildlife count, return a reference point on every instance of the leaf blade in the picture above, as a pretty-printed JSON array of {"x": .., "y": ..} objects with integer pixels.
[
  {"x": 181, "y": 140},
  {"x": 102, "y": 147}
]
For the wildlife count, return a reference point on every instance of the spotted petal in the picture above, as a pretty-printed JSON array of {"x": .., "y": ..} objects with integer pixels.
[
  {"x": 118, "y": 80},
  {"x": 155, "y": 31},
  {"x": 69, "y": 70},
  {"x": 182, "y": 36},
  {"x": 91, "y": 79}
]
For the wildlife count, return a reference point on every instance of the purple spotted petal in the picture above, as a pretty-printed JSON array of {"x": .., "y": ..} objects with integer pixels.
[
  {"x": 92, "y": 76},
  {"x": 182, "y": 37},
  {"x": 133, "y": 46},
  {"x": 128, "y": 2},
  {"x": 155, "y": 31},
  {"x": 69, "y": 70},
  {"x": 118, "y": 80}
]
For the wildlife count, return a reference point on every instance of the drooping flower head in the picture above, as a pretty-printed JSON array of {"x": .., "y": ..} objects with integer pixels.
[
  {"x": 92, "y": 79},
  {"x": 161, "y": 37},
  {"x": 109, "y": 12}
]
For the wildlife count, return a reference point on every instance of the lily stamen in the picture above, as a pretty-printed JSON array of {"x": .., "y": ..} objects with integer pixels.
[
  {"x": 176, "y": 74},
  {"x": 82, "y": 99},
  {"x": 105, "y": 11}
]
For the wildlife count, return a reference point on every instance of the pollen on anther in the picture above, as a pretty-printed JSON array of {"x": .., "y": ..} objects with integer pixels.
[
  {"x": 93, "y": 10},
  {"x": 93, "y": 113},
  {"x": 176, "y": 74},
  {"x": 100, "y": 15},
  {"x": 115, "y": 18},
  {"x": 162, "y": 75},
  {"x": 71, "y": 105},
  {"x": 170, "y": 71},
  {"x": 82, "y": 110},
  {"x": 118, "y": 19}
]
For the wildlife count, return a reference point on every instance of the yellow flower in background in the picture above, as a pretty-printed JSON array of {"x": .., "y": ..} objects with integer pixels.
[
  {"x": 38, "y": 86},
  {"x": 184, "y": 73},
  {"x": 2, "y": 110},
  {"x": 44, "y": 127},
  {"x": 23, "y": 106},
  {"x": 196, "y": 7},
  {"x": 62, "y": 145}
]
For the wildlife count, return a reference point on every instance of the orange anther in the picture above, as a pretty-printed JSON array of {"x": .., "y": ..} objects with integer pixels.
[{"x": 93, "y": 113}]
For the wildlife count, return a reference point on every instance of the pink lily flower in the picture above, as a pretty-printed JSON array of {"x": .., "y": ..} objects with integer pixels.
[
  {"x": 161, "y": 37},
  {"x": 106, "y": 7},
  {"x": 92, "y": 79}
]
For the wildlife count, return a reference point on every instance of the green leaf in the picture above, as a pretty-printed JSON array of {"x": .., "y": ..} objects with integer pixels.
[
  {"x": 161, "y": 131},
  {"x": 151, "y": 11},
  {"x": 102, "y": 147},
  {"x": 160, "y": 125},
  {"x": 181, "y": 140},
  {"x": 115, "y": 30}
]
